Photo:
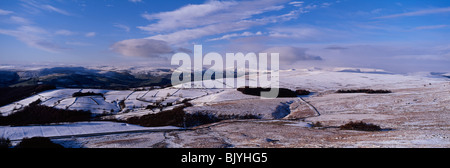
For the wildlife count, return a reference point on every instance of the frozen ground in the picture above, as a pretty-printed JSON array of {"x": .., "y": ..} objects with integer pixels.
[{"x": 416, "y": 114}]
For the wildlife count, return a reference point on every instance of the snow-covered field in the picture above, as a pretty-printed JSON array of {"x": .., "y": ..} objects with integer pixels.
[{"x": 74, "y": 129}]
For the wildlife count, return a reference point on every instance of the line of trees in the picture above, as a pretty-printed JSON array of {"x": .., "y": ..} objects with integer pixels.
[
  {"x": 80, "y": 94},
  {"x": 283, "y": 92},
  {"x": 368, "y": 91}
]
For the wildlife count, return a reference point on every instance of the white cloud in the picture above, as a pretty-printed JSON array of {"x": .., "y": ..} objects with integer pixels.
[
  {"x": 423, "y": 57},
  {"x": 308, "y": 33},
  {"x": 296, "y": 3},
  {"x": 376, "y": 11},
  {"x": 326, "y": 4},
  {"x": 32, "y": 30},
  {"x": 431, "y": 27},
  {"x": 36, "y": 7},
  {"x": 123, "y": 27},
  {"x": 311, "y": 6},
  {"x": 135, "y": 1},
  {"x": 290, "y": 55},
  {"x": 229, "y": 36},
  {"x": 20, "y": 20},
  {"x": 295, "y": 32},
  {"x": 65, "y": 32},
  {"x": 305, "y": 33},
  {"x": 54, "y": 9},
  {"x": 76, "y": 43},
  {"x": 90, "y": 34},
  {"x": 5, "y": 12},
  {"x": 417, "y": 13},
  {"x": 34, "y": 37},
  {"x": 142, "y": 48}
]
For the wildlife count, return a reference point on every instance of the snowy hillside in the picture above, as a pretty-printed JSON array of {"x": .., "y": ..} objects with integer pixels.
[{"x": 323, "y": 83}]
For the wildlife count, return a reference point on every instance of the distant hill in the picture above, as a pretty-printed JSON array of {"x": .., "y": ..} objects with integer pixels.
[
  {"x": 12, "y": 94},
  {"x": 8, "y": 77}
]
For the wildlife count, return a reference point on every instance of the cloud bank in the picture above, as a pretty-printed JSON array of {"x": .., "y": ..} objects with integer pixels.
[
  {"x": 290, "y": 55},
  {"x": 417, "y": 13},
  {"x": 142, "y": 48}
]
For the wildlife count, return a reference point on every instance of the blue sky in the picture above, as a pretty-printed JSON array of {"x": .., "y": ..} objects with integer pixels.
[{"x": 396, "y": 35}]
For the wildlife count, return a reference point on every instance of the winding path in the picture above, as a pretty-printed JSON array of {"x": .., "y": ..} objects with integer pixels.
[{"x": 310, "y": 106}]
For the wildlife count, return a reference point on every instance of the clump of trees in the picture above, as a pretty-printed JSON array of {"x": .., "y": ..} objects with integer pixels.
[
  {"x": 80, "y": 94},
  {"x": 4, "y": 143},
  {"x": 122, "y": 104},
  {"x": 37, "y": 142},
  {"x": 174, "y": 117},
  {"x": 283, "y": 92},
  {"x": 302, "y": 92},
  {"x": 316, "y": 124},
  {"x": 178, "y": 117},
  {"x": 201, "y": 118},
  {"x": 35, "y": 113},
  {"x": 368, "y": 91},
  {"x": 360, "y": 126}
]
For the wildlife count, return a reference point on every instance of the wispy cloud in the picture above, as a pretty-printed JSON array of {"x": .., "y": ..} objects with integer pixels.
[
  {"x": 307, "y": 33},
  {"x": 5, "y": 12},
  {"x": 65, "y": 32},
  {"x": 34, "y": 37},
  {"x": 417, "y": 13},
  {"x": 294, "y": 32},
  {"x": 423, "y": 57},
  {"x": 35, "y": 7},
  {"x": 123, "y": 27},
  {"x": 296, "y": 3},
  {"x": 90, "y": 34},
  {"x": 54, "y": 9},
  {"x": 325, "y": 4},
  {"x": 431, "y": 27},
  {"x": 20, "y": 20},
  {"x": 135, "y": 1},
  {"x": 229, "y": 36}
]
